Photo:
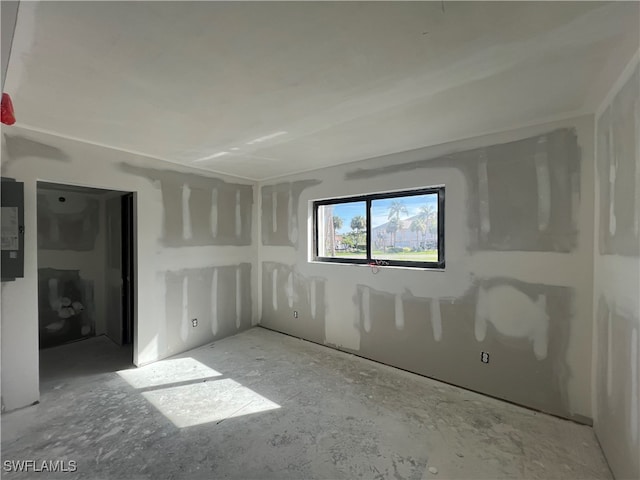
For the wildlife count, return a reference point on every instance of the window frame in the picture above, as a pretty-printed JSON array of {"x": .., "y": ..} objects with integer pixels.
[{"x": 368, "y": 199}]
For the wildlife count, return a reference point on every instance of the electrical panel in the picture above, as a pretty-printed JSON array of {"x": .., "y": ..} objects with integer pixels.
[{"x": 12, "y": 229}]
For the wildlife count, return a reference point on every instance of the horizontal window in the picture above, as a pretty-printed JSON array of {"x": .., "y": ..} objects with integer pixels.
[{"x": 396, "y": 228}]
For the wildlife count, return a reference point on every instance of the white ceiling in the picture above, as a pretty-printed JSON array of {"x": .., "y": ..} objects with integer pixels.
[{"x": 287, "y": 87}]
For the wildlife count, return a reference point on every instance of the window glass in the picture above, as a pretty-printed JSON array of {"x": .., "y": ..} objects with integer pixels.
[
  {"x": 405, "y": 228},
  {"x": 342, "y": 230}
]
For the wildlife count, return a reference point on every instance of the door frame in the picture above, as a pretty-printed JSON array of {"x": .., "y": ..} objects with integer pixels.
[{"x": 133, "y": 224}]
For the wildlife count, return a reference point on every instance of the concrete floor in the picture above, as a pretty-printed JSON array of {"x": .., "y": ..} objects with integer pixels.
[
  {"x": 265, "y": 405},
  {"x": 73, "y": 361}
]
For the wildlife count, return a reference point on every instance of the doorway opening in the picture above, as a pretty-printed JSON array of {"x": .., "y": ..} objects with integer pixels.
[{"x": 86, "y": 280}]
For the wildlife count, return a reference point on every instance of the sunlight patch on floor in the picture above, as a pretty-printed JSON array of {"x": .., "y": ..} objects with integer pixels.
[
  {"x": 205, "y": 402},
  {"x": 190, "y": 393},
  {"x": 166, "y": 372}
]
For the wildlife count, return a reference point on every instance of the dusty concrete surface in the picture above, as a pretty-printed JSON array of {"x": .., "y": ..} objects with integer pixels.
[{"x": 265, "y": 405}]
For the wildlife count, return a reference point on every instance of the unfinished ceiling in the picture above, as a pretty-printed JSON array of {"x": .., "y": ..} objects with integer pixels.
[{"x": 266, "y": 89}]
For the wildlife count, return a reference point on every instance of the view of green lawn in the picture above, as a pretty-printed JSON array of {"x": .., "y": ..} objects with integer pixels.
[
  {"x": 426, "y": 256},
  {"x": 351, "y": 254}
]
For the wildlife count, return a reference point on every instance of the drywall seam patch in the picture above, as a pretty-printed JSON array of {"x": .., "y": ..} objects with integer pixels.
[
  {"x": 436, "y": 319},
  {"x": 636, "y": 118},
  {"x": 290, "y": 215},
  {"x": 238, "y": 215},
  {"x": 274, "y": 211},
  {"x": 483, "y": 194},
  {"x": 187, "y": 232},
  {"x": 612, "y": 181},
  {"x": 610, "y": 353},
  {"x": 214, "y": 301},
  {"x": 214, "y": 212},
  {"x": 544, "y": 184},
  {"x": 366, "y": 309},
  {"x": 238, "y": 296},
  {"x": 575, "y": 199},
  {"x": 635, "y": 403},
  {"x": 289, "y": 289},
  {"x": 184, "y": 330},
  {"x": 513, "y": 314},
  {"x": 399, "y": 312},
  {"x": 274, "y": 288},
  {"x": 312, "y": 298}
]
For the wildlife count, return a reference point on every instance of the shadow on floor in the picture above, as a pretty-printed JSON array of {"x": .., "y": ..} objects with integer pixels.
[{"x": 92, "y": 356}]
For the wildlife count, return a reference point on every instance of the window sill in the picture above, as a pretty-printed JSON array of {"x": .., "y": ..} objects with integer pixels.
[{"x": 379, "y": 267}]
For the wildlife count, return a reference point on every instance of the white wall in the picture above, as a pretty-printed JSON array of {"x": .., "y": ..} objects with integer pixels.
[
  {"x": 171, "y": 244},
  {"x": 537, "y": 287},
  {"x": 9, "y": 14},
  {"x": 616, "y": 342}
]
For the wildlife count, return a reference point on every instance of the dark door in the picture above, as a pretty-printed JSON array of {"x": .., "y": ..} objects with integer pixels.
[{"x": 127, "y": 269}]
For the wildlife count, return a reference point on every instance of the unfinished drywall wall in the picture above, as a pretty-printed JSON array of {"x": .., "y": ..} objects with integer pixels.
[
  {"x": 619, "y": 199},
  {"x": 210, "y": 303},
  {"x": 513, "y": 320},
  {"x": 173, "y": 211},
  {"x": 506, "y": 209},
  {"x": 279, "y": 224},
  {"x": 617, "y": 276},
  {"x": 201, "y": 210},
  {"x": 293, "y": 302},
  {"x": 518, "y": 237}
]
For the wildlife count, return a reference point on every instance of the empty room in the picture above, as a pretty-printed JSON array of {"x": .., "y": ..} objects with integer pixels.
[{"x": 320, "y": 240}]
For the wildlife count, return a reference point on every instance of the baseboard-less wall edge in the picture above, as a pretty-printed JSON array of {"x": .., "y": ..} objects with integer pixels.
[
  {"x": 578, "y": 419},
  {"x": 606, "y": 460},
  {"x": 37, "y": 402}
]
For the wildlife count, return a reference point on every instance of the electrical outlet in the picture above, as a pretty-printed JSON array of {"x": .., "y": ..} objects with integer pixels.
[
  {"x": 194, "y": 322},
  {"x": 484, "y": 357},
  {"x": 295, "y": 314}
]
